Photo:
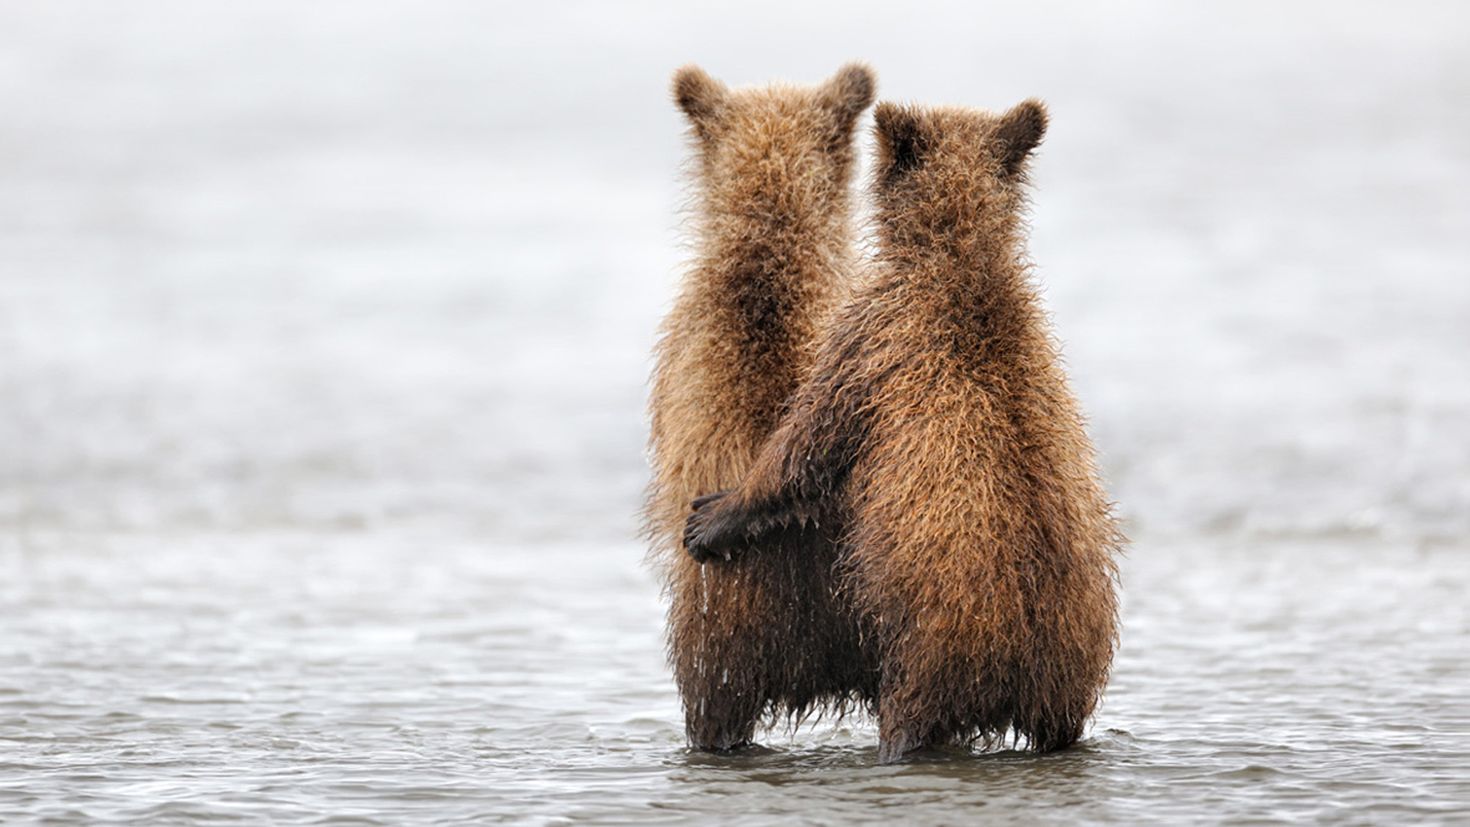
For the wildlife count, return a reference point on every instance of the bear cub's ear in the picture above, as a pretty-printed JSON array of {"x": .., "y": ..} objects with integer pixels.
[
  {"x": 1019, "y": 131},
  {"x": 849, "y": 92},
  {"x": 901, "y": 139},
  {"x": 700, "y": 96}
]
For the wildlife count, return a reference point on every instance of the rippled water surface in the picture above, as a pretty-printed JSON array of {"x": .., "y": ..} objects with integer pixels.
[
  {"x": 323, "y": 338},
  {"x": 383, "y": 679}
]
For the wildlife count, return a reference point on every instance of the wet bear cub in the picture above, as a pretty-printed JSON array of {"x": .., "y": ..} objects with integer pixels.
[
  {"x": 774, "y": 249},
  {"x": 937, "y": 439}
]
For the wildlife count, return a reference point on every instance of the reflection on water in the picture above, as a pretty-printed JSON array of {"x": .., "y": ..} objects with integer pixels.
[{"x": 323, "y": 338}]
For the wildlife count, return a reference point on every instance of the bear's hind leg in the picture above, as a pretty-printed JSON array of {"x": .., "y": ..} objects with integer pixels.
[
  {"x": 902, "y": 727},
  {"x": 1057, "y": 728},
  {"x": 720, "y": 716},
  {"x": 895, "y": 742},
  {"x": 720, "y": 654}
]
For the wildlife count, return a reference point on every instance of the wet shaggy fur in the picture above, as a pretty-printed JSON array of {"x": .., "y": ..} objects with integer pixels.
[
  {"x": 774, "y": 242},
  {"x": 938, "y": 440}
]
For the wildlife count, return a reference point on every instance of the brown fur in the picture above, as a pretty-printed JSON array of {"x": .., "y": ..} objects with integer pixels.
[
  {"x": 938, "y": 434},
  {"x": 774, "y": 252}
]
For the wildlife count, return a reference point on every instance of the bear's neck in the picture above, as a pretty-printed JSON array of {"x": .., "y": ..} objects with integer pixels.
[
  {"x": 756, "y": 249},
  {"x": 966, "y": 253},
  {"x": 975, "y": 280}
]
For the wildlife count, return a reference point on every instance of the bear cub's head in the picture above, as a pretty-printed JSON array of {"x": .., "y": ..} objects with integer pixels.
[
  {"x": 951, "y": 173},
  {"x": 777, "y": 152}
]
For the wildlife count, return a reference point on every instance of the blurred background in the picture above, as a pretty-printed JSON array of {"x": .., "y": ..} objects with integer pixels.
[
  {"x": 373, "y": 265},
  {"x": 324, "y": 337}
]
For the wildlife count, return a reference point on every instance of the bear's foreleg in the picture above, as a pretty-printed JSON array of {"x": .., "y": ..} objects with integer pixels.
[{"x": 725, "y": 523}]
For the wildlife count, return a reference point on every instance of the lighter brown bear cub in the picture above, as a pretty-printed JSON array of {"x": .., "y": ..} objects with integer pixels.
[
  {"x": 938, "y": 434},
  {"x": 775, "y": 250}
]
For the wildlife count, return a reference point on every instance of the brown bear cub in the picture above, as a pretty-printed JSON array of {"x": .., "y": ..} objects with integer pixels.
[
  {"x": 775, "y": 246},
  {"x": 937, "y": 439}
]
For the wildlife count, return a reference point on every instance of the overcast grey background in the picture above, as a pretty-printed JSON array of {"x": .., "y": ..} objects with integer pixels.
[{"x": 377, "y": 265}]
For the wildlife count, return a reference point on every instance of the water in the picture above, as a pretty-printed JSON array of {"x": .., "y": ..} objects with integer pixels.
[
  {"x": 323, "y": 334},
  {"x": 379, "y": 680}
]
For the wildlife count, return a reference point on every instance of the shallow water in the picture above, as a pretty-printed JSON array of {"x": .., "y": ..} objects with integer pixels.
[
  {"x": 376, "y": 679},
  {"x": 323, "y": 337}
]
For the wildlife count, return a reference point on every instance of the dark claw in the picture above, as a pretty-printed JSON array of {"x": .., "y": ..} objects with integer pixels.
[
  {"x": 701, "y": 502},
  {"x": 698, "y": 530},
  {"x": 704, "y": 555}
]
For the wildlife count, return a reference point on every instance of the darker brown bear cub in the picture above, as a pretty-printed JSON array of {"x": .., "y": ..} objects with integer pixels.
[
  {"x": 775, "y": 248},
  {"x": 937, "y": 440}
]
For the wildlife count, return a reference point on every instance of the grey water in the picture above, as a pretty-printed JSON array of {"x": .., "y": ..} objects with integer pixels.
[{"x": 324, "y": 332}]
